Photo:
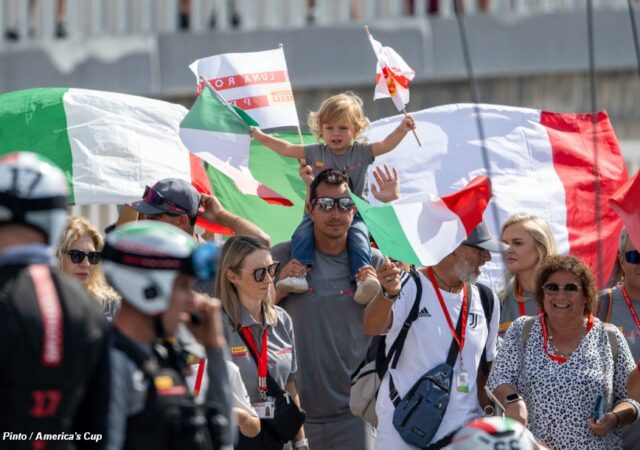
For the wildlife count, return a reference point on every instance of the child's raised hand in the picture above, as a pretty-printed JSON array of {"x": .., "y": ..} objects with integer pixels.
[
  {"x": 255, "y": 132},
  {"x": 306, "y": 173},
  {"x": 408, "y": 123}
]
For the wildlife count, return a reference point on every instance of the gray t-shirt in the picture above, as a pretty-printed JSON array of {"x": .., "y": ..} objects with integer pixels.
[
  {"x": 510, "y": 307},
  {"x": 280, "y": 350},
  {"x": 621, "y": 317},
  {"x": 354, "y": 161},
  {"x": 330, "y": 339}
]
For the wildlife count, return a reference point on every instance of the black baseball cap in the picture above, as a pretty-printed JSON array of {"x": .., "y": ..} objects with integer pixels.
[
  {"x": 480, "y": 237},
  {"x": 171, "y": 195}
]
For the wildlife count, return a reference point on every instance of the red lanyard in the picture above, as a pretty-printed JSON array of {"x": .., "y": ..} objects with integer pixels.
[
  {"x": 632, "y": 310},
  {"x": 520, "y": 301},
  {"x": 262, "y": 356},
  {"x": 545, "y": 339},
  {"x": 459, "y": 340}
]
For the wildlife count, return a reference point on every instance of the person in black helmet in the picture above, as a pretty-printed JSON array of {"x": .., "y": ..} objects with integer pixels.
[
  {"x": 54, "y": 359},
  {"x": 153, "y": 266}
]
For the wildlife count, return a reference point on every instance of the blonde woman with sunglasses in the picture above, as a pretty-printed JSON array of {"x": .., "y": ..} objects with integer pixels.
[
  {"x": 255, "y": 325},
  {"x": 79, "y": 255},
  {"x": 563, "y": 373}
]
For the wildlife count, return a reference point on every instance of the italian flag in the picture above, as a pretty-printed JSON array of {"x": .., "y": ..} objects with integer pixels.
[
  {"x": 422, "y": 229},
  {"x": 541, "y": 162},
  {"x": 109, "y": 145},
  {"x": 218, "y": 133},
  {"x": 112, "y": 145}
]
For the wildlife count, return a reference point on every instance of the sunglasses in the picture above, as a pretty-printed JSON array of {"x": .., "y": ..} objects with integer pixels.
[
  {"x": 77, "y": 256},
  {"x": 155, "y": 198},
  {"x": 632, "y": 257},
  {"x": 571, "y": 290},
  {"x": 261, "y": 272},
  {"x": 327, "y": 203}
]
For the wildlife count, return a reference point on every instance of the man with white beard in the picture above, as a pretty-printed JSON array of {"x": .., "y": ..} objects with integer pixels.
[{"x": 451, "y": 325}]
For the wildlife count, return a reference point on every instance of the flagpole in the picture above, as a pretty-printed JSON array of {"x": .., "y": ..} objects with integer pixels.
[
  {"x": 406, "y": 114},
  {"x": 404, "y": 110},
  {"x": 301, "y": 161}
]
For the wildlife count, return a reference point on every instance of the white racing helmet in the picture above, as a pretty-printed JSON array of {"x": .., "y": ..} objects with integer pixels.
[
  {"x": 491, "y": 433},
  {"x": 142, "y": 260},
  {"x": 33, "y": 192}
]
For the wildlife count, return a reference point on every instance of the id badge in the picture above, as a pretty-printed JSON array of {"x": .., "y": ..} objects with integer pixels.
[
  {"x": 462, "y": 382},
  {"x": 266, "y": 409}
]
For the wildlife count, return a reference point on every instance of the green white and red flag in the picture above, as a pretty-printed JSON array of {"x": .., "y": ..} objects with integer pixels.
[
  {"x": 542, "y": 163},
  {"x": 423, "y": 228},
  {"x": 219, "y": 133}
]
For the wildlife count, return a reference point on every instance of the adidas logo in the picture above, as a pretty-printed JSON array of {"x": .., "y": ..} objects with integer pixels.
[{"x": 424, "y": 312}]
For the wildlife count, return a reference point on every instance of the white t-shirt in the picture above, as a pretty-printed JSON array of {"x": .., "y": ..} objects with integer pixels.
[
  {"x": 240, "y": 396},
  {"x": 427, "y": 345}
]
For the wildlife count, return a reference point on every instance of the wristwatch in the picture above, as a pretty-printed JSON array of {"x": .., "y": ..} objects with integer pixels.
[
  {"x": 301, "y": 443},
  {"x": 391, "y": 298},
  {"x": 512, "y": 398}
]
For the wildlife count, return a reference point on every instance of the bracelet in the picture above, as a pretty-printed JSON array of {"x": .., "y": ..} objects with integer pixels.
[
  {"x": 391, "y": 298},
  {"x": 301, "y": 443},
  {"x": 617, "y": 418}
]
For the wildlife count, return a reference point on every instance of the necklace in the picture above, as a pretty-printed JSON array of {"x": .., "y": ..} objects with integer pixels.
[
  {"x": 447, "y": 287},
  {"x": 557, "y": 355}
]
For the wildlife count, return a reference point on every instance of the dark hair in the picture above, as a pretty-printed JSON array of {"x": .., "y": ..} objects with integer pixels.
[
  {"x": 574, "y": 265},
  {"x": 333, "y": 177}
]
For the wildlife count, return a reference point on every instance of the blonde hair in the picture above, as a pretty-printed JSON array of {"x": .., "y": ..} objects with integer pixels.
[
  {"x": 232, "y": 257},
  {"x": 347, "y": 106},
  {"x": 78, "y": 227},
  {"x": 542, "y": 236}
]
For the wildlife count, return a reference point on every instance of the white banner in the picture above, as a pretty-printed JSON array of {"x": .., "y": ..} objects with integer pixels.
[{"x": 256, "y": 82}]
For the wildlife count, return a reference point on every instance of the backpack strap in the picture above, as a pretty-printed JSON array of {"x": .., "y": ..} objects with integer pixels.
[
  {"x": 396, "y": 347},
  {"x": 609, "y": 308},
  {"x": 526, "y": 330},
  {"x": 612, "y": 332},
  {"x": 379, "y": 342},
  {"x": 486, "y": 298},
  {"x": 605, "y": 314}
]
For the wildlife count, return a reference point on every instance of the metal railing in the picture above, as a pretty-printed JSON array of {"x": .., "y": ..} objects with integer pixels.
[{"x": 36, "y": 19}]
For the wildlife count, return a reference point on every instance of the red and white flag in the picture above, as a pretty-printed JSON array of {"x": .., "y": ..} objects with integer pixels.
[
  {"x": 393, "y": 75},
  {"x": 626, "y": 202},
  {"x": 541, "y": 162},
  {"x": 256, "y": 82}
]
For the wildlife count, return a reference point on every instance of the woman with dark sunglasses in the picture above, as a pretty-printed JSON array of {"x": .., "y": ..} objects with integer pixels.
[
  {"x": 79, "y": 255},
  {"x": 563, "y": 373},
  {"x": 620, "y": 305},
  {"x": 254, "y": 325}
]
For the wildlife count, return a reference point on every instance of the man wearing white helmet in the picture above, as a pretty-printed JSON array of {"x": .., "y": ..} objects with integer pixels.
[
  {"x": 54, "y": 371},
  {"x": 153, "y": 266}
]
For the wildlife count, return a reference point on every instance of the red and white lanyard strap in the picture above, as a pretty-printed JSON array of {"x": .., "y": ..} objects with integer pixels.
[
  {"x": 261, "y": 361},
  {"x": 51, "y": 314},
  {"x": 632, "y": 310},
  {"x": 545, "y": 339},
  {"x": 459, "y": 339}
]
